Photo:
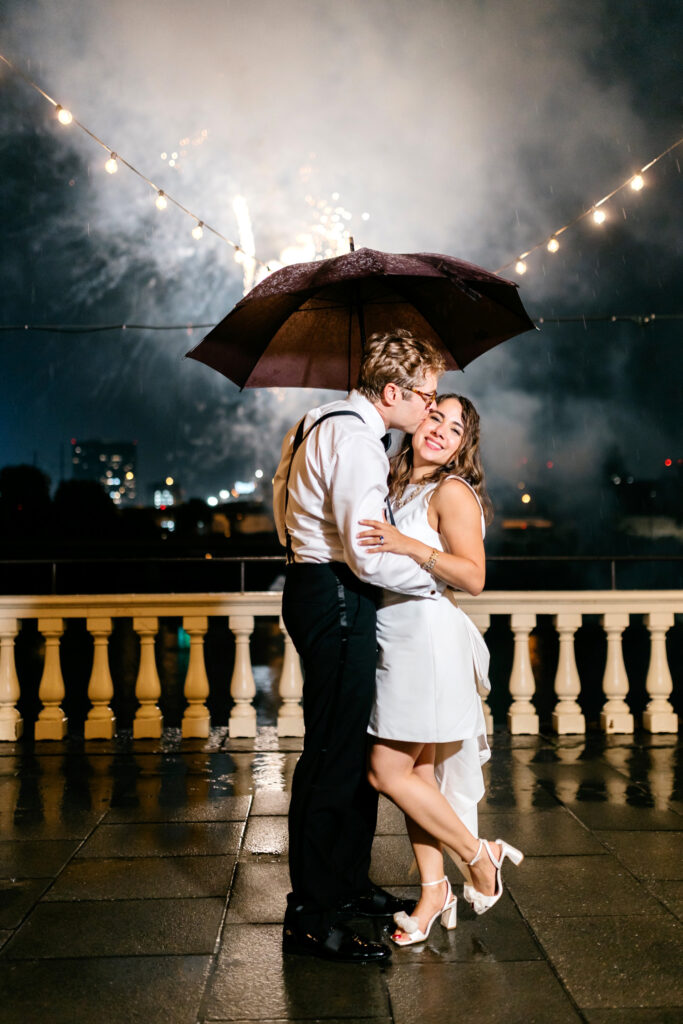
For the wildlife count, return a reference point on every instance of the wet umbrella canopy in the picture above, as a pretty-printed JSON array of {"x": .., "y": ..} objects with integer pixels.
[{"x": 306, "y": 325}]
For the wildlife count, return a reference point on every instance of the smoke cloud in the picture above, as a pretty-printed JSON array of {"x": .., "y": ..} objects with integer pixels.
[{"x": 473, "y": 128}]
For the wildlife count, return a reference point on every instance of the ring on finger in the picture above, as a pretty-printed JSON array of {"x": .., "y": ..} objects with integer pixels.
[{"x": 381, "y": 538}]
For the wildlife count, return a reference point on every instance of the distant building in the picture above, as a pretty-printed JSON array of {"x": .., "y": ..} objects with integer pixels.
[
  {"x": 113, "y": 464},
  {"x": 166, "y": 493}
]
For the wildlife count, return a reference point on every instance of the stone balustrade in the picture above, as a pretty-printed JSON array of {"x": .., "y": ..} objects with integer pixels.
[{"x": 240, "y": 610}]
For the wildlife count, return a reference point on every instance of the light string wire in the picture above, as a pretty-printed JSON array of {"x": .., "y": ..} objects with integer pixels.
[
  {"x": 641, "y": 319},
  {"x": 115, "y": 155},
  {"x": 552, "y": 237}
]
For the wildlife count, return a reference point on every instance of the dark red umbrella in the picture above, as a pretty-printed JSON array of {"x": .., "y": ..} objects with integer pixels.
[{"x": 305, "y": 325}]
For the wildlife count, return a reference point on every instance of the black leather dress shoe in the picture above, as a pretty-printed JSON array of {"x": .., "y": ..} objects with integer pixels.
[
  {"x": 340, "y": 944},
  {"x": 376, "y": 902}
]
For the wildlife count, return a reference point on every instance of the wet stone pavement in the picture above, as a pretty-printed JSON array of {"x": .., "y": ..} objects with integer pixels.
[{"x": 146, "y": 883}]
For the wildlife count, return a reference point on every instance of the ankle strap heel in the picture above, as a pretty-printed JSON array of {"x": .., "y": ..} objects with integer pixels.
[{"x": 479, "y": 902}]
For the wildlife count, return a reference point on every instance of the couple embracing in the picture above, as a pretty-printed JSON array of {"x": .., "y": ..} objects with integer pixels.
[{"x": 393, "y": 669}]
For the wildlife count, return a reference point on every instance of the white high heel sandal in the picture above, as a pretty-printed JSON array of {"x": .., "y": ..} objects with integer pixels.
[
  {"x": 411, "y": 925},
  {"x": 478, "y": 901}
]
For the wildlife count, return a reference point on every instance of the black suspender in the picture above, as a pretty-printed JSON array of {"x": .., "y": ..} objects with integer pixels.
[{"x": 299, "y": 438}]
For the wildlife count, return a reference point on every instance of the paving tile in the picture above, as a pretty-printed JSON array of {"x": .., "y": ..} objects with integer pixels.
[
  {"x": 5, "y": 936},
  {"x": 254, "y": 981},
  {"x": 218, "y": 808},
  {"x": 35, "y": 858},
  {"x": 269, "y": 801},
  {"x": 487, "y": 993},
  {"x": 605, "y": 815},
  {"x": 119, "y": 928},
  {"x": 35, "y": 826},
  {"x": 393, "y": 862},
  {"x": 509, "y": 785},
  {"x": 590, "y": 776},
  {"x": 498, "y": 936},
  {"x": 17, "y": 896},
  {"x": 164, "y": 839},
  {"x": 390, "y": 819},
  {"x": 578, "y": 886},
  {"x": 117, "y": 990},
  {"x": 616, "y": 961},
  {"x": 540, "y": 833},
  {"x": 648, "y": 854},
  {"x": 266, "y": 836},
  {"x": 634, "y": 1015},
  {"x": 670, "y": 893},
  {"x": 143, "y": 878},
  {"x": 49, "y": 811},
  {"x": 259, "y": 893}
]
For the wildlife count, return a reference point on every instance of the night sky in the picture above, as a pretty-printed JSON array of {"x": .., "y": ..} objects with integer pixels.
[{"x": 470, "y": 128}]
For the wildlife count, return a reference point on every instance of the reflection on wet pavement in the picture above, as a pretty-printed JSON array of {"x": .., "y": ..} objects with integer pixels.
[{"x": 167, "y": 861}]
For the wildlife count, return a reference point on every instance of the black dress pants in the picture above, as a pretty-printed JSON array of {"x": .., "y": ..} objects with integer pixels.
[{"x": 331, "y": 616}]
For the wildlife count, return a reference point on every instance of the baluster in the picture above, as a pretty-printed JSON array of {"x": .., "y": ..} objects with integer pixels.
[
  {"x": 567, "y": 717},
  {"x": 196, "y": 720},
  {"x": 242, "y": 686},
  {"x": 100, "y": 723},
  {"x": 148, "y": 722},
  {"x": 659, "y": 715},
  {"x": 290, "y": 720},
  {"x": 615, "y": 716},
  {"x": 522, "y": 717},
  {"x": 482, "y": 621},
  {"x": 11, "y": 723},
  {"x": 52, "y": 722}
]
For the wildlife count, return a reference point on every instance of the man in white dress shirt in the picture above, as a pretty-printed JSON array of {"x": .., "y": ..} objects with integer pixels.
[{"x": 333, "y": 473}]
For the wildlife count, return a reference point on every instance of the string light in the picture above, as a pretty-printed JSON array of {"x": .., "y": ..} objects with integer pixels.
[
  {"x": 161, "y": 201},
  {"x": 111, "y": 165},
  {"x": 635, "y": 181}
]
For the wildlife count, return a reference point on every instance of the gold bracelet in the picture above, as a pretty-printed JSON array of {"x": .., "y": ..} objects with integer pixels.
[{"x": 430, "y": 562}]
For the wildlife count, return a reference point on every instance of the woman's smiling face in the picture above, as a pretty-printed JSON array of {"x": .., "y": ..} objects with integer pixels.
[{"x": 439, "y": 436}]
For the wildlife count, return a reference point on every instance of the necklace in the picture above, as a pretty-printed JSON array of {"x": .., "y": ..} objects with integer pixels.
[{"x": 408, "y": 496}]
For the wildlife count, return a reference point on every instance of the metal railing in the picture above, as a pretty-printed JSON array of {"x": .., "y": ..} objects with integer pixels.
[{"x": 607, "y": 565}]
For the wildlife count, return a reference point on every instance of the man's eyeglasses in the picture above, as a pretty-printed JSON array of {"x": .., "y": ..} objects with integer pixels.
[{"x": 428, "y": 397}]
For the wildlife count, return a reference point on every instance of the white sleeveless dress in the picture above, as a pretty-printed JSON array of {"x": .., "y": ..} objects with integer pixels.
[{"x": 432, "y": 668}]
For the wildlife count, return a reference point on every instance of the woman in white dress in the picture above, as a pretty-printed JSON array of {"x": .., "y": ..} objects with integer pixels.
[{"x": 428, "y": 728}]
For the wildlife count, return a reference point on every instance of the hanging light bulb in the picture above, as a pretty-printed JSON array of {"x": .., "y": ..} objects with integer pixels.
[
  {"x": 161, "y": 201},
  {"x": 197, "y": 230},
  {"x": 637, "y": 182},
  {"x": 520, "y": 267},
  {"x": 64, "y": 116},
  {"x": 111, "y": 166},
  {"x": 599, "y": 216},
  {"x": 553, "y": 244}
]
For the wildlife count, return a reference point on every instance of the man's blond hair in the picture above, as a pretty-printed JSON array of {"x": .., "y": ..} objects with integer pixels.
[{"x": 396, "y": 357}]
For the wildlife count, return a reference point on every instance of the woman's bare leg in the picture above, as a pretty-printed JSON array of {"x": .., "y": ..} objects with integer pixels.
[
  {"x": 427, "y": 849},
  {"x": 392, "y": 772}
]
